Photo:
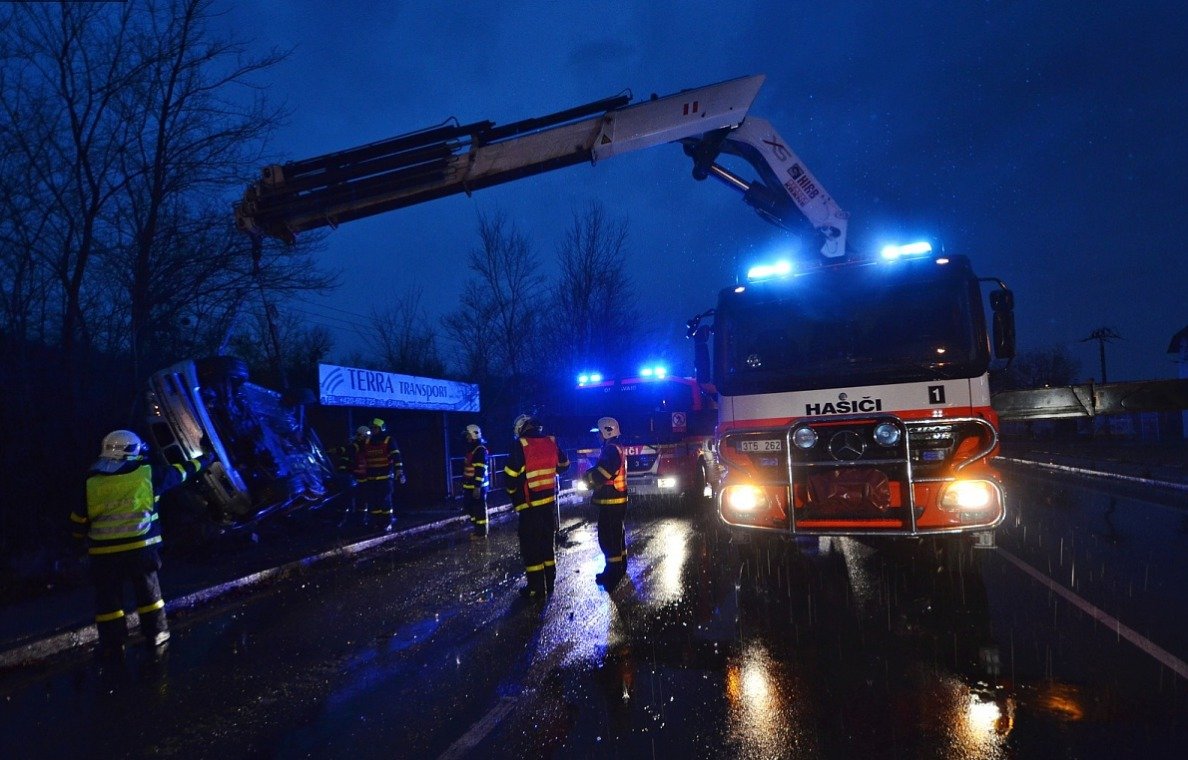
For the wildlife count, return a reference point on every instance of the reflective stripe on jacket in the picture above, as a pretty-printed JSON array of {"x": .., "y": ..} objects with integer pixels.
[
  {"x": 610, "y": 476},
  {"x": 381, "y": 456},
  {"x": 474, "y": 469},
  {"x": 532, "y": 471},
  {"x": 122, "y": 505}
]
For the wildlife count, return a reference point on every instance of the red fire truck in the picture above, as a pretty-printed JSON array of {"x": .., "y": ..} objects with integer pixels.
[
  {"x": 854, "y": 397},
  {"x": 667, "y": 423}
]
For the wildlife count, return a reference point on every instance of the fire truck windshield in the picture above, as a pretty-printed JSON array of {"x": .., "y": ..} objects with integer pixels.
[{"x": 850, "y": 325}]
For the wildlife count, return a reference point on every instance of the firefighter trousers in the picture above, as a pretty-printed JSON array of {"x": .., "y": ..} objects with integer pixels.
[
  {"x": 612, "y": 538},
  {"x": 110, "y": 573},
  {"x": 536, "y": 547},
  {"x": 376, "y": 496},
  {"x": 476, "y": 508}
]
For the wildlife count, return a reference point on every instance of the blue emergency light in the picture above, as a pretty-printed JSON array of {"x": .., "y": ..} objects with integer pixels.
[
  {"x": 893, "y": 252},
  {"x": 767, "y": 271}
]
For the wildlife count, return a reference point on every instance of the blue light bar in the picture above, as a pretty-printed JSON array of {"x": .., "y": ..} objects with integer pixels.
[
  {"x": 767, "y": 271},
  {"x": 596, "y": 378},
  {"x": 583, "y": 379},
  {"x": 661, "y": 372},
  {"x": 892, "y": 252},
  {"x": 645, "y": 372}
]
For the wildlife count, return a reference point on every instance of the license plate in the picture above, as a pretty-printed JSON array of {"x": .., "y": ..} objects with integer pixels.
[{"x": 771, "y": 444}]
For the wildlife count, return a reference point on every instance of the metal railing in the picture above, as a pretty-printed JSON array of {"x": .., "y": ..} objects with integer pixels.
[{"x": 495, "y": 464}]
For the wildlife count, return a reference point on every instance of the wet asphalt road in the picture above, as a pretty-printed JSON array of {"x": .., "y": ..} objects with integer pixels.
[{"x": 834, "y": 648}]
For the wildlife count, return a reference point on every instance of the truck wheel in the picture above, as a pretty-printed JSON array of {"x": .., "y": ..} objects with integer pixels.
[
  {"x": 696, "y": 496},
  {"x": 220, "y": 369}
]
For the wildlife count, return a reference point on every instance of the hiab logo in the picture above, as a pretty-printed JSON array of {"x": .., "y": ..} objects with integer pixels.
[{"x": 844, "y": 405}]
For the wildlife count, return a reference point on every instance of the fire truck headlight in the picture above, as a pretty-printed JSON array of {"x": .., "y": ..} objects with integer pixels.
[
  {"x": 666, "y": 482},
  {"x": 886, "y": 434},
  {"x": 969, "y": 494},
  {"x": 804, "y": 438},
  {"x": 744, "y": 498}
]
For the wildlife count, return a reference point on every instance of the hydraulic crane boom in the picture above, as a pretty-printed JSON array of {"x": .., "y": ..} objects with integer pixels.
[{"x": 451, "y": 158}]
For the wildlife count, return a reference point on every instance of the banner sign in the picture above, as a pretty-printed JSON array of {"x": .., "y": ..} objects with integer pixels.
[{"x": 348, "y": 386}]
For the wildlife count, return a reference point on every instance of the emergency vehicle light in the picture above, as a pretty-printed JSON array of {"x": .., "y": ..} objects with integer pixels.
[
  {"x": 589, "y": 377},
  {"x": 767, "y": 271},
  {"x": 658, "y": 371},
  {"x": 893, "y": 252}
]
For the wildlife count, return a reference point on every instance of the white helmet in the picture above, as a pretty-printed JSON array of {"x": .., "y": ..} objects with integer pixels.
[
  {"x": 473, "y": 433},
  {"x": 362, "y": 432},
  {"x": 122, "y": 445},
  {"x": 523, "y": 424},
  {"x": 608, "y": 427}
]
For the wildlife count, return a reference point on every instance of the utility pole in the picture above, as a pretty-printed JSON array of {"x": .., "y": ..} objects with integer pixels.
[{"x": 1101, "y": 335}]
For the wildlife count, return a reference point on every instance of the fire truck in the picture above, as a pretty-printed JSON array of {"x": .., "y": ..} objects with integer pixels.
[
  {"x": 667, "y": 425},
  {"x": 854, "y": 397},
  {"x": 853, "y": 394}
]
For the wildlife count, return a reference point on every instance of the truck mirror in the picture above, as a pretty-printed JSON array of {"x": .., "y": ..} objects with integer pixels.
[
  {"x": 1002, "y": 300},
  {"x": 1004, "y": 334}
]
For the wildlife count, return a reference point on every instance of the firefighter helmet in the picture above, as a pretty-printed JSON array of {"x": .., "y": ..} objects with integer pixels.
[
  {"x": 362, "y": 431},
  {"x": 608, "y": 427},
  {"x": 378, "y": 424},
  {"x": 473, "y": 433},
  {"x": 122, "y": 445},
  {"x": 524, "y": 424}
]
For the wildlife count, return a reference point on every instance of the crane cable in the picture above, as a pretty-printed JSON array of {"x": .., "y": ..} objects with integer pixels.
[{"x": 269, "y": 309}]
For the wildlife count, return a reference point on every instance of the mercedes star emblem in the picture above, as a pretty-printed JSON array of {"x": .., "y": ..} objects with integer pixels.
[{"x": 847, "y": 445}]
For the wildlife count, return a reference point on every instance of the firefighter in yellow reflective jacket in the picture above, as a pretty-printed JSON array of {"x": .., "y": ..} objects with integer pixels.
[
  {"x": 532, "y": 468},
  {"x": 383, "y": 465},
  {"x": 122, "y": 534},
  {"x": 608, "y": 481},
  {"x": 475, "y": 480}
]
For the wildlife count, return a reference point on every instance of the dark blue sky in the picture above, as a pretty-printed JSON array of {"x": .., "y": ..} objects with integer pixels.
[{"x": 1046, "y": 140}]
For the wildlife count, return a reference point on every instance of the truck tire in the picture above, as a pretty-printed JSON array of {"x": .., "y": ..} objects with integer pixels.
[{"x": 214, "y": 370}]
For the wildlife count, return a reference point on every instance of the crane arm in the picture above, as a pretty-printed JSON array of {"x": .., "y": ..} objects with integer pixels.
[{"x": 453, "y": 158}]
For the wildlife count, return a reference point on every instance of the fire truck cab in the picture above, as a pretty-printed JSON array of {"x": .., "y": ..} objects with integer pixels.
[{"x": 854, "y": 397}]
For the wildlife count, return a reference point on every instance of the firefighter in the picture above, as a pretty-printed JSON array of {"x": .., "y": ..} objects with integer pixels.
[
  {"x": 352, "y": 464},
  {"x": 532, "y": 468},
  {"x": 382, "y": 465},
  {"x": 475, "y": 480},
  {"x": 122, "y": 534},
  {"x": 608, "y": 481}
]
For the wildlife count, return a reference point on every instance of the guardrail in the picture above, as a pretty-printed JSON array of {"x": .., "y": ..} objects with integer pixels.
[{"x": 495, "y": 465}]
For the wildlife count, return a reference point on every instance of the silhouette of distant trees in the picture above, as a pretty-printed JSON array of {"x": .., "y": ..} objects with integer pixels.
[{"x": 1036, "y": 368}]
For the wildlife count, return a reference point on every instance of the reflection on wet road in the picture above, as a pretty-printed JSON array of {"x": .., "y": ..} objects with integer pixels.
[{"x": 822, "y": 648}]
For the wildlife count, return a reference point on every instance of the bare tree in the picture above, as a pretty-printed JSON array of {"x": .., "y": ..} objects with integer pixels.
[
  {"x": 293, "y": 360},
  {"x": 187, "y": 137},
  {"x": 469, "y": 328},
  {"x": 593, "y": 298},
  {"x": 402, "y": 341},
  {"x": 63, "y": 70},
  {"x": 505, "y": 296},
  {"x": 123, "y": 129}
]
